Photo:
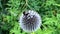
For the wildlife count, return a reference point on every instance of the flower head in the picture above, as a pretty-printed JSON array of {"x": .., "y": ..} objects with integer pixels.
[{"x": 30, "y": 21}]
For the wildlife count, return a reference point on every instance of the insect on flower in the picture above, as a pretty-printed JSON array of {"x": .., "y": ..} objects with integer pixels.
[{"x": 30, "y": 21}]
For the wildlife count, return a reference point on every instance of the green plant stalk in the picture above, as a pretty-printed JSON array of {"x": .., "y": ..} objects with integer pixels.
[{"x": 32, "y": 33}]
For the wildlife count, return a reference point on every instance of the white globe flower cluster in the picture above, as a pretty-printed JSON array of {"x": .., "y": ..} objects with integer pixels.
[{"x": 30, "y": 21}]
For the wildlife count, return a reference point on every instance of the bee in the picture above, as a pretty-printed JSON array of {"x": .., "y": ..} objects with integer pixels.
[{"x": 30, "y": 21}]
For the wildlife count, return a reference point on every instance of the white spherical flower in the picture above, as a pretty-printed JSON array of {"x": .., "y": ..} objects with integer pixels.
[{"x": 30, "y": 21}]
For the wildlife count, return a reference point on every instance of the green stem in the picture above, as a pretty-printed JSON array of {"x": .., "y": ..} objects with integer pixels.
[{"x": 32, "y": 33}]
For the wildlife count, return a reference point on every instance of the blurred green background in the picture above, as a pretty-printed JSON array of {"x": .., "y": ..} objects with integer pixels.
[{"x": 10, "y": 11}]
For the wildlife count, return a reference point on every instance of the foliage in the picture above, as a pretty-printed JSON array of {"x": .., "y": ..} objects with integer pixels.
[{"x": 10, "y": 11}]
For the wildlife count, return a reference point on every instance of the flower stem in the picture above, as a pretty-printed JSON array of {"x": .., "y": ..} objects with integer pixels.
[{"x": 32, "y": 33}]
